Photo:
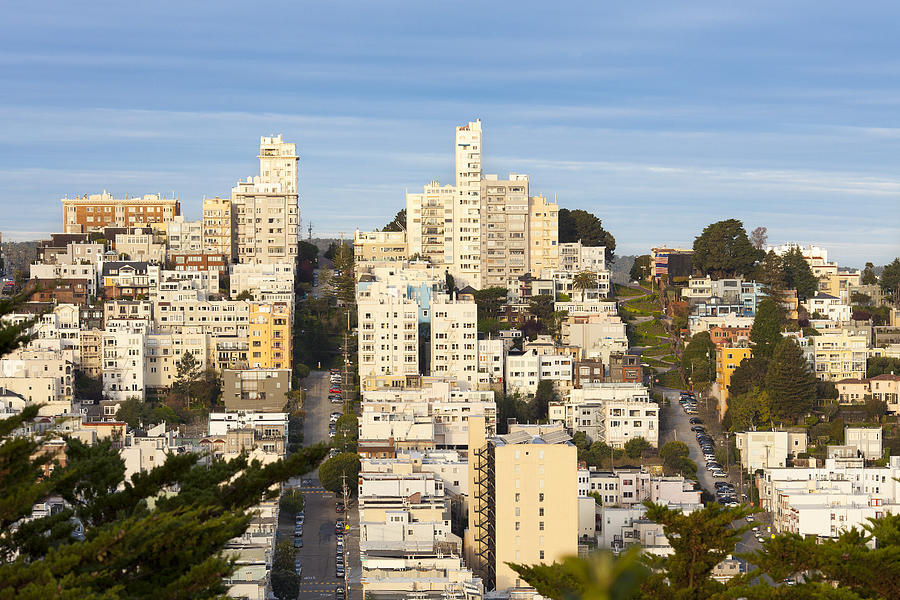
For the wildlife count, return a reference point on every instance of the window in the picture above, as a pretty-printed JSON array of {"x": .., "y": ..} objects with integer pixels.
[
  {"x": 518, "y": 495},
  {"x": 540, "y": 512},
  {"x": 541, "y": 497},
  {"x": 517, "y": 525},
  {"x": 541, "y": 526},
  {"x": 542, "y": 554}
]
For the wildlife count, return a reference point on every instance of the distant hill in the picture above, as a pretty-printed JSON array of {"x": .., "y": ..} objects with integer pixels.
[{"x": 620, "y": 269}]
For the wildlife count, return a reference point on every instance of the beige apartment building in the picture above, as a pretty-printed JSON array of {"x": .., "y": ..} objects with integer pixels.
[
  {"x": 266, "y": 206},
  {"x": 484, "y": 230},
  {"x": 96, "y": 211},
  {"x": 379, "y": 246},
  {"x": 505, "y": 228},
  {"x": 219, "y": 228},
  {"x": 523, "y": 501}
]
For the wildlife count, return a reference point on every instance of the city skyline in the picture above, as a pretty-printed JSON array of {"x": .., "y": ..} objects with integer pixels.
[{"x": 783, "y": 117}]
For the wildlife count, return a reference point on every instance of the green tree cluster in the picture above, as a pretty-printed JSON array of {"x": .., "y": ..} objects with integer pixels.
[
  {"x": 699, "y": 359},
  {"x": 676, "y": 461},
  {"x": 749, "y": 410},
  {"x": 882, "y": 365},
  {"x": 766, "y": 330},
  {"x": 868, "y": 276},
  {"x": 749, "y": 374},
  {"x": 635, "y": 447},
  {"x": 580, "y": 225},
  {"x": 890, "y": 280},
  {"x": 724, "y": 250},
  {"x": 797, "y": 274},
  {"x": 284, "y": 578},
  {"x": 790, "y": 383},
  {"x": 346, "y": 432},
  {"x": 640, "y": 269}
]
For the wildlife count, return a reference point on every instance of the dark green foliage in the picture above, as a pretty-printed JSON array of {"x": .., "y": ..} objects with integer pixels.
[
  {"x": 798, "y": 275},
  {"x": 173, "y": 550},
  {"x": 790, "y": 383},
  {"x": 244, "y": 295},
  {"x": 675, "y": 459},
  {"x": 544, "y": 395},
  {"x": 291, "y": 501},
  {"x": 766, "y": 331},
  {"x": 699, "y": 359},
  {"x": 345, "y": 283},
  {"x": 87, "y": 387},
  {"x": 308, "y": 252},
  {"x": 512, "y": 406},
  {"x": 449, "y": 282},
  {"x": 541, "y": 307},
  {"x": 13, "y": 336},
  {"x": 868, "y": 276},
  {"x": 749, "y": 374},
  {"x": 490, "y": 301},
  {"x": 285, "y": 583},
  {"x": 881, "y": 365},
  {"x": 724, "y": 250},
  {"x": 575, "y": 225},
  {"x": 138, "y": 413},
  {"x": 890, "y": 279},
  {"x": 635, "y": 447},
  {"x": 399, "y": 222},
  {"x": 332, "y": 471},
  {"x": 770, "y": 273},
  {"x": 640, "y": 270}
]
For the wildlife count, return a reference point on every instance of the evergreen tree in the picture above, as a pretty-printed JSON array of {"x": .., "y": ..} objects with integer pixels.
[
  {"x": 398, "y": 223},
  {"x": 890, "y": 280},
  {"x": 544, "y": 395},
  {"x": 789, "y": 382},
  {"x": 13, "y": 335},
  {"x": 635, "y": 447},
  {"x": 766, "y": 331},
  {"x": 724, "y": 250},
  {"x": 771, "y": 274},
  {"x": 798, "y": 275},
  {"x": 868, "y": 275},
  {"x": 580, "y": 225},
  {"x": 600, "y": 576},
  {"x": 749, "y": 374}
]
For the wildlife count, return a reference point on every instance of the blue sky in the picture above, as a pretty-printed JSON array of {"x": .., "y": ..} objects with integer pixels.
[{"x": 660, "y": 117}]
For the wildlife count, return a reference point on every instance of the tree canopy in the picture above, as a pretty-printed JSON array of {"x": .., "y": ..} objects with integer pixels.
[
  {"x": 868, "y": 276},
  {"x": 331, "y": 472},
  {"x": 749, "y": 410},
  {"x": 724, "y": 250},
  {"x": 580, "y": 225},
  {"x": 890, "y": 280},
  {"x": 640, "y": 269},
  {"x": 766, "y": 331},
  {"x": 398, "y": 223},
  {"x": 790, "y": 382},
  {"x": 798, "y": 275},
  {"x": 749, "y": 374},
  {"x": 699, "y": 359}
]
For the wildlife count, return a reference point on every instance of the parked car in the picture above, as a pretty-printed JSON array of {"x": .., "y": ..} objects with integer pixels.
[
  {"x": 298, "y": 542},
  {"x": 298, "y": 567},
  {"x": 335, "y": 416},
  {"x": 339, "y": 507},
  {"x": 339, "y": 593},
  {"x": 334, "y": 390},
  {"x": 339, "y": 526}
]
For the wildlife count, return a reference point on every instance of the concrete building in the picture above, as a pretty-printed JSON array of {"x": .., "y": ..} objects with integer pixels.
[
  {"x": 491, "y": 361},
  {"x": 867, "y": 441},
  {"x": 574, "y": 257},
  {"x": 837, "y": 356},
  {"x": 266, "y": 207},
  {"x": 388, "y": 336},
  {"x": 162, "y": 351},
  {"x": 267, "y": 282},
  {"x": 828, "y": 307},
  {"x": 530, "y": 515},
  {"x": 123, "y": 345},
  {"x": 140, "y": 244},
  {"x": 814, "y": 255},
  {"x": 425, "y": 223},
  {"x": 431, "y": 578},
  {"x": 598, "y": 335},
  {"x": 466, "y": 263},
  {"x": 260, "y": 390},
  {"x": 885, "y": 387},
  {"x": 454, "y": 340},
  {"x": 94, "y": 212},
  {"x": 543, "y": 230},
  {"x": 185, "y": 237},
  {"x": 769, "y": 449},
  {"x": 373, "y": 247},
  {"x": 40, "y": 377},
  {"x": 219, "y": 228},
  {"x": 610, "y": 412}
]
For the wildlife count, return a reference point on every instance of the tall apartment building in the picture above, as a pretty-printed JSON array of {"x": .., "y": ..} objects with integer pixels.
[
  {"x": 467, "y": 221},
  {"x": 96, "y": 211},
  {"x": 219, "y": 228},
  {"x": 270, "y": 336},
  {"x": 454, "y": 340},
  {"x": 388, "y": 336},
  {"x": 123, "y": 348},
  {"x": 543, "y": 224},
  {"x": 485, "y": 231},
  {"x": 266, "y": 206},
  {"x": 505, "y": 227},
  {"x": 183, "y": 236},
  {"x": 523, "y": 501}
]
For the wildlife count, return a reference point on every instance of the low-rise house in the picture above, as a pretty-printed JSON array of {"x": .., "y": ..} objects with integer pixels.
[{"x": 769, "y": 449}]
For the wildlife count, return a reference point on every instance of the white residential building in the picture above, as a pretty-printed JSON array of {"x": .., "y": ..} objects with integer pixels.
[
  {"x": 491, "y": 360},
  {"x": 769, "y": 449},
  {"x": 610, "y": 412},
  {"x": 163, "y": 351},
  {"x": 269, "y": 282},
  {"x": 123, "y": 359},
  {"x": 86, "y": 271},
  {"x": 388, "y": 336},
  {"x": 40, "y": 377},
  {"x": 454, "y": 340},
  {"x": 829, "y": 307},
  {"x": 867, "y": 441},
  {"x": 184, "y": 237}
]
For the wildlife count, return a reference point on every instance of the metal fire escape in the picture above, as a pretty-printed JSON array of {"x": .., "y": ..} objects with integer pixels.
[{"x": 485, "y": 516}]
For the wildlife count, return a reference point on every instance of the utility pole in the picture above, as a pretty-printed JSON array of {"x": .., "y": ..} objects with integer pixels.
[{"x": 345, "y": 493}]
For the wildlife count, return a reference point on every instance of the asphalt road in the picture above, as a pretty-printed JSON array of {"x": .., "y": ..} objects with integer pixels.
[
  {"x": 678, "y": 427},
  {"x": 318, "y": 578}
]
